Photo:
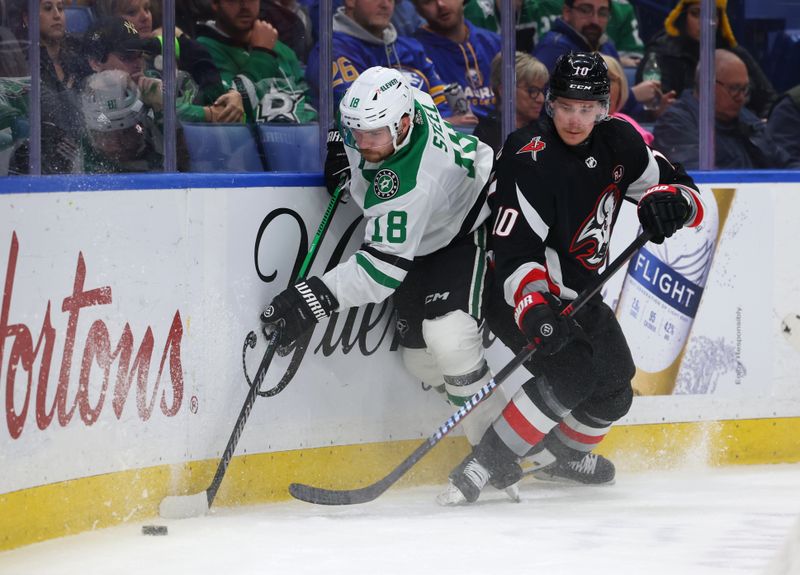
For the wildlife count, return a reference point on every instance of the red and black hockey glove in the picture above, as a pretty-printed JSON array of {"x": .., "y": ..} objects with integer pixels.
[
  {"x": 663, "y": 210},
  {"x": 537, "y": 315},
  {"x": 297, "y": 309}
]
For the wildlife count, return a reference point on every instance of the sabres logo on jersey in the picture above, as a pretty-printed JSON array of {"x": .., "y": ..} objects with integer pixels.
[
  {"x": 590, "y": 243},
  {"x": 533, "y": 147},
  {"x": 473, "y": 77}
]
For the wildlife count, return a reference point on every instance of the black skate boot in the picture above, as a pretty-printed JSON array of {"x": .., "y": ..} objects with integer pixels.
[
  {"x": 466, "y": 482},
  {"x": 591, "y": 469},
  {"x": 488, "y": 463}
]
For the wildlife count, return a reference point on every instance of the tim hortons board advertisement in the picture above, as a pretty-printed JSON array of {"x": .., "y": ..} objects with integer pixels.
[{"x": 122, "y": 326}]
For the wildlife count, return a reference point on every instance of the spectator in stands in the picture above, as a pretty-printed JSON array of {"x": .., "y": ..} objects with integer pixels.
[
  {"x": 59, "y": 66},
  {"x": 623, "y": 29},
  {"x": 251, "y": 58},
  {"x": 677, "y": 51},
  {"x": 582, "y": 28},
  {"x": 363, "y": 37},
  {"x": 461, "y": 52},
  {"x": 115, "y": 44},
  {"x": 404, "y": 18},
  {"x": 14, "y": 124},
  {"x": 532, "y": 78},
  {"x": 533, "y": 18},
  {"x": 13, "y": 63},
  {"x": 121, "y": 136},
  {"x": 292, "y": 23},
  {"x": 210, "y": 101},
  {"x": 619, "y": 94},
  {"x": 741, "y": 138},
  {"x": 784, "y": 122}
]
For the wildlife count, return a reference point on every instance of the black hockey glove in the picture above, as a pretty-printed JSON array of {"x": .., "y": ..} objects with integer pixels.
[
  {"x": 297, "y": 309},
  {"x": 337, "y": 167},
  {"x": 537, "y": 315},
  {"x": 663, "y": 211}
]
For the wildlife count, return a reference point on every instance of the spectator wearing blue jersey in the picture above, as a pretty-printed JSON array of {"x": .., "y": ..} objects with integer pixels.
[
  {"x": 582, "y": 28},
  {"x": 461, "y": 52},
  {"x": 405, "y": 17},
  {"x": 363, "y": 37}
]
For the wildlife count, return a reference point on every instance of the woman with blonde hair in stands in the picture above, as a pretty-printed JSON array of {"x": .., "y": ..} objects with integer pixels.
[
  {"x": 532, "y": 78},
  {"x": 619, "y": 95}
]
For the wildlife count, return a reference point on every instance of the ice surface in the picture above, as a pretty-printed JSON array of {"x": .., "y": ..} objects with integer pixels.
[{"x": 714, "y": 521}]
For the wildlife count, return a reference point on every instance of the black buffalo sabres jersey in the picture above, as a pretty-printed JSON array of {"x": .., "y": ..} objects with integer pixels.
[{"x": 555, "y": 205}]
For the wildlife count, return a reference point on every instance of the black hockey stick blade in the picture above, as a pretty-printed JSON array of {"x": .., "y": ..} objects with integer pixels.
[
  {"x": 196, "y": 504},
  {"x": 322, "y": 496}
]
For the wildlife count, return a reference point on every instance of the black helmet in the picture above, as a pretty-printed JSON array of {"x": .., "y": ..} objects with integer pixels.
[{"x": 580, "y": 76}]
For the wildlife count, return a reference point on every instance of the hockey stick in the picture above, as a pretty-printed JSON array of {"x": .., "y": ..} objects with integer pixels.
[
  {"x": 182, "y": 506},
  {"x": 322, "y": 496}
]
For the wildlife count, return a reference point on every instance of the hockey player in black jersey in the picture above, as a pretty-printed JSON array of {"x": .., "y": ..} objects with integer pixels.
[{"x": 561, "y": 182}]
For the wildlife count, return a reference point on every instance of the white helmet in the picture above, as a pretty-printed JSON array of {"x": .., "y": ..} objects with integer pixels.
[
  {"x": 110, "y": 101},
  {"x": 378, "y": 98}
]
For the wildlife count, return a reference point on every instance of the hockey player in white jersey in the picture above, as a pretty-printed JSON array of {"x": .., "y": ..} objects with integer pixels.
[{"x": 422, "y": 187}]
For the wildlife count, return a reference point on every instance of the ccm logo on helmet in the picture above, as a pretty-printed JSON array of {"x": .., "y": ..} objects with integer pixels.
[{"x": 579, "y": 87}]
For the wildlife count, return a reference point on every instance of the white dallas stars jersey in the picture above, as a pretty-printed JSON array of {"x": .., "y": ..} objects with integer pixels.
[{"x": 415, "y": 202}]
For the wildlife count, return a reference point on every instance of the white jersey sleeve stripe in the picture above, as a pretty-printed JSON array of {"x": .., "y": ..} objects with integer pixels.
[
  {"x": 513, "y": 281},
  {"x": 649, "y": 178},
  {"x": 377, "y": 275},
  {"x": 362, "y": 279},
  {"x": 535, "y": 221}
]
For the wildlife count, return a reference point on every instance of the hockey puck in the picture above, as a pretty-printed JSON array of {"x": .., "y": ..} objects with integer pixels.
[{"x": 154, "y": 530}]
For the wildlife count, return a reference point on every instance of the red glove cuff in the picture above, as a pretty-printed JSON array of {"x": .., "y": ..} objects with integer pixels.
[{"x": 527, "y": 302}]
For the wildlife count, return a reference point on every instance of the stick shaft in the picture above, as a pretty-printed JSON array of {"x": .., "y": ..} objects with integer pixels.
[{"x": 322, "y": 496}]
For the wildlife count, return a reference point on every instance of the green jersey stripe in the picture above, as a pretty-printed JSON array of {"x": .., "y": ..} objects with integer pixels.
[
  {"x": 478, "y": 272},
  {"x": 377, "y": 275}
]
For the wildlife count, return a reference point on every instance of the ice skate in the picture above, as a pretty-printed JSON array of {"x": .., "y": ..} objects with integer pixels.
[
  {"x": 466, "y": 482},
  {"x": 591, "y": 469}
]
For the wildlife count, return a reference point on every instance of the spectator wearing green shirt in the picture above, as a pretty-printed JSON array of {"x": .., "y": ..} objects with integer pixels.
[
  {"x": 623, "y": 29},
  {"x": 251, "y": 58},
  {"x": 533, "y": 18}
]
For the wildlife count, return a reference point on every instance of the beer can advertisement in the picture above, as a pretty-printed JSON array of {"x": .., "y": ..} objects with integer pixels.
[{"x": 698, "y": 313}]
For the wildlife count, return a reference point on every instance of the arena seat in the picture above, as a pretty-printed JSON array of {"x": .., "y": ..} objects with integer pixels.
[
  {"x": 221, "y": 148},
  {"x": 78, "y": 18},
  {"x": 291, "y": 147}
]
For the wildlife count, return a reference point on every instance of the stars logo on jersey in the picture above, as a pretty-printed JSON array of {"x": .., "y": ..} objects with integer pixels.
[
  {"x": 386, "y": 184},
  {"x": 617, "y": 174},
  {"x": 533, "y": 147},
  {"x": 591, "y": 162},
  {"x": 590, "y": 243}
]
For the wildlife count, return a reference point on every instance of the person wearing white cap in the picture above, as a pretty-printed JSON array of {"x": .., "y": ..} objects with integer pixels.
[{"x": 120, "y": 135}]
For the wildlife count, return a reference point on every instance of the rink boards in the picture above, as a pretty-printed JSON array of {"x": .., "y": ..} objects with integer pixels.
[{"x": 126, "y": 303}]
